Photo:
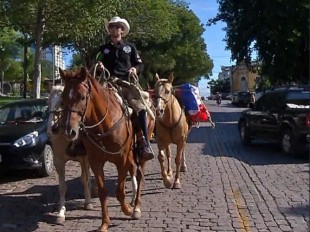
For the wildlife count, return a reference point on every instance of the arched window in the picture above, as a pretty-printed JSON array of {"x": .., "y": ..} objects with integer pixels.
[{"x": 244, "y": 84}]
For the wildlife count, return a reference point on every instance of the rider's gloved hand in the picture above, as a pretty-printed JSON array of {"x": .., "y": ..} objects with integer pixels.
[
  {"x": 132, "y": 70},
  {"x": 100, "y": 66}
]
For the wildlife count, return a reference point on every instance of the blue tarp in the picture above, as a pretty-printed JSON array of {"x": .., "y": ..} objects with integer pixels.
[{"x": 188, "y": 99}]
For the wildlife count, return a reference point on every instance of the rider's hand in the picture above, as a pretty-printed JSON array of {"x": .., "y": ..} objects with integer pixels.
[
  {"x": 133, "y": 70},
  {"x": 100, "y": 66}
]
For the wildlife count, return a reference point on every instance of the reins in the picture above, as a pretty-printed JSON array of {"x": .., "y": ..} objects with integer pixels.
[{"x": 92, "y": 136}]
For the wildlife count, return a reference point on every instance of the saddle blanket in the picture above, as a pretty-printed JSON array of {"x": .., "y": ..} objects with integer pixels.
[{"x": 189, "y": 97}]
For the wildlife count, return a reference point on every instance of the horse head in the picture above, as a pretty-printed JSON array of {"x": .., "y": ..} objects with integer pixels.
[
  {"x": 74, "y": 98},
  {"x": 163, "y": 91}
]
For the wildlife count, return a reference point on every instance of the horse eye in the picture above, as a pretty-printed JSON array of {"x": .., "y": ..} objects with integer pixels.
[
  {"x": 167, "y": 91},
  {"x": 83, "y": 98}
]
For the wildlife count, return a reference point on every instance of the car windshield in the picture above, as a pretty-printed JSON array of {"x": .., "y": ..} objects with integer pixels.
[
  {"x": 23, "y": 112},
  {"x": 244, "y": 93}
]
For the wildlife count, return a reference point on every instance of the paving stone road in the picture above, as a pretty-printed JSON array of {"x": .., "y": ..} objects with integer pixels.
[{"x": 227, "y": 188}]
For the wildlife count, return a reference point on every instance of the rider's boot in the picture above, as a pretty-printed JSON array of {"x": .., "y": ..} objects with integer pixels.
[{"x": 144, "y": 145}]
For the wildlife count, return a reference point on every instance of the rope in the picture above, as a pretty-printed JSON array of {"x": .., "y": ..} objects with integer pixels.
[
  {"x": 103, "y": 74},
  {"x": 140, "y": 90}
]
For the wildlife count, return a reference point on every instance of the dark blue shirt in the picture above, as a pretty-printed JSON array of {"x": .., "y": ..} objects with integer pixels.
[{"x": 119, "y": 58}]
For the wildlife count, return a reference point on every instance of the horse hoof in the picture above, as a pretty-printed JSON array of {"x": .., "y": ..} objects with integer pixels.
[
  {"x": 177, "y": 185},
  {"x": 168, "y": 184},
  {"x": 88, "y": 206},
  {"x": 102, "y": 229},
  {"x": 183, "y": 169},
  {"x": 136, "y": 215},
  {"x": 60, "y": 220}
]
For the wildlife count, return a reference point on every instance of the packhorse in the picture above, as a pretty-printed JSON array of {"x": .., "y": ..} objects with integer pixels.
[
  {"x": 171, "y": 128},
  {"x": 108, "y": 134},
  {"x": 61, "y": 156}
]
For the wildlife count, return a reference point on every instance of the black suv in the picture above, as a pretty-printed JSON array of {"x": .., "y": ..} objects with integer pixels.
[
  {"x": 280, "y": 115},
  {"x": 241, "y": 98}
]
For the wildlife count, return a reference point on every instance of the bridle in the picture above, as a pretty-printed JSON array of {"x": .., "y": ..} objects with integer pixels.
[
  {"x": 166, "y": 100},
  {"x": 95, "y": 137},
  {"x": 158, "y": 96},
  {"x": 81, "y": 113}
]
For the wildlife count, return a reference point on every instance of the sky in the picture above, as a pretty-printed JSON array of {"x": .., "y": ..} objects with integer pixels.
[{"x": 213, "y": 36}]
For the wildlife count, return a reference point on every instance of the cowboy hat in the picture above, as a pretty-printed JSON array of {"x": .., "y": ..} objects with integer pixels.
[{"x": 119, "y": 20}]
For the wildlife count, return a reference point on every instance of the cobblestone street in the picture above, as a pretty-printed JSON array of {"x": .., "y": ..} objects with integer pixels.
[{"x": 228, "y": 187}]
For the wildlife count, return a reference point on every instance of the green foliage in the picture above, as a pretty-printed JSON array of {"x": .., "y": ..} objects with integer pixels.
[
  {"x": 167, "y": 33},
  {"x": 277, "y": 30},
  {"x": 221, "y": 86},
  {"x": 14, "y": 72},
  {"x": 184, "y": 52},
  {"x": 8, "y": 52},
  {"x": 76, "y": 62}
]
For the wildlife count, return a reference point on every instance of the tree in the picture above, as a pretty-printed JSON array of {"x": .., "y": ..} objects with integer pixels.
[
  {"x": 46, "y": 24},
  {"x": 221, "y": 86},
  {"x": 81, "y": 27},
  {"x": 277, "y": 30},
  {"x": 8, "y": 51},
  {"x": 184, "y": 52}
]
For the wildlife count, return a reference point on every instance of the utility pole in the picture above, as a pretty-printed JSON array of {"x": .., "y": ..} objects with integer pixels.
[{"x": 53, "y": 63}]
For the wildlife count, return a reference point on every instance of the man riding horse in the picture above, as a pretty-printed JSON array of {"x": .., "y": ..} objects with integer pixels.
[{"x": 122, "y": 60}]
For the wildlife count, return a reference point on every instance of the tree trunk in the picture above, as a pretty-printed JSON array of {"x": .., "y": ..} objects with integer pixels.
[
  {"x": 25, "y": 70},
  {"x": 2, "y": 80},
  {"x": 37, "y": 59}
]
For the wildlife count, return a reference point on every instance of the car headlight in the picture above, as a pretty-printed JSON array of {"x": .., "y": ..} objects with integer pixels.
[{"x": 27, "y": 139}]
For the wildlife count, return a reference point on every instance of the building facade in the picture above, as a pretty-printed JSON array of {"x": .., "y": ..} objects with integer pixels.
[
  {"x": 243, "y": 79},
  {"x": 54, "y": 54}
]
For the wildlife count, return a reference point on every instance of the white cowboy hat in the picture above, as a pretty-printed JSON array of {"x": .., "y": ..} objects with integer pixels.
[{"x": 119, "y": 20}]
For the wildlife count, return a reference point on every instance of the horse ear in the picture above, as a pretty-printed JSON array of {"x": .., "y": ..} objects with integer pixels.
[
  {"x": 156, "y": 76},
  {"x": 171, "y": 77},
  {"x": 84, "y": 73},
  {"x": 62, "y": 73}
]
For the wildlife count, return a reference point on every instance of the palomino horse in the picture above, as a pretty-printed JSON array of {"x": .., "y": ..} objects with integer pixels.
[
  {"x": 60, "y": 146},
  {"x": 108, "y": 135},
  {"x": 171, "y": 128}
]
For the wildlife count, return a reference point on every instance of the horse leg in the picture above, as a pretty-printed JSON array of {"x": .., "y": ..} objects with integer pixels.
[
  {"x": 97, "y": 168},
  {"x": 180, "y": 151},
  {"x": 62, "y": 187},
  {"x": 134, "y": 185},
  {"x": 168, "y": 155},
  {"x": 183, "y": 167},
  {"x": 120, "y": 191},
  {"x": 86, "y": 181},
  {"x": 136, "y": 180},
  {"x": 161, "y": 158}
]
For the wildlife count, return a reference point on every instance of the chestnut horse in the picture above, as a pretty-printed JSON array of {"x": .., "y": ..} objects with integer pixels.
[
  {"x": 171, "y": 128},
  {"x": 108, "y": 135},
  {"x": 60, "y": 146}
]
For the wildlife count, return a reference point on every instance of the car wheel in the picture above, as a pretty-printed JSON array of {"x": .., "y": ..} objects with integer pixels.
[
  {"x": 244, "y": 134},
  {"x": 288, "y": 144},
  {"x": 47, "y": 168}
]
